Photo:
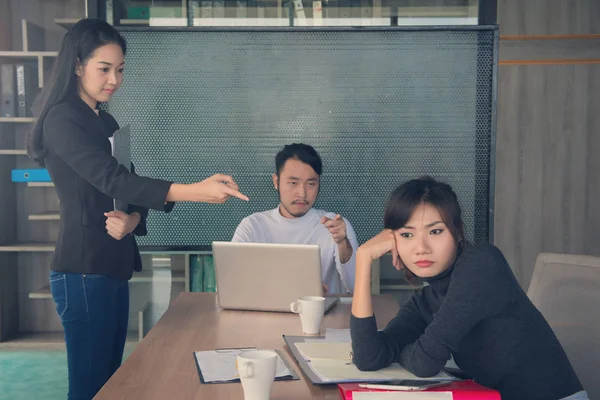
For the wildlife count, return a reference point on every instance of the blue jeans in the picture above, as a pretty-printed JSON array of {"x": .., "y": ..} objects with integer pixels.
[{"x": 94, "y": 310}]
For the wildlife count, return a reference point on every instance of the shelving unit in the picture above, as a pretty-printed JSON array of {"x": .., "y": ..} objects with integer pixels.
[
  {"x": 24, "y": 120},
  {"x": 138, "y": 22},
  {"x": 66, "y": 23},
  {"x": 40, "y": 184},
  {"x": 12, "y": 152},
  {"x": 31, "y": 322},
  {"x": 138, "y": 277},
  {"x": 46, "y": 216},
  {"x": 28, "y": 54},
  {"x": 162, "y": 271},
  {"x": 27, "y": 247},
  {"x": 53, "y": 340},
  {"x": 26, "y": 254},
  {"x": 42, "y": 293},
  {"x": 147, "y": 276}
]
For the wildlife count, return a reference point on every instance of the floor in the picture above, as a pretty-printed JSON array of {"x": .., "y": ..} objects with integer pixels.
[{"x": 39, "y": 375}]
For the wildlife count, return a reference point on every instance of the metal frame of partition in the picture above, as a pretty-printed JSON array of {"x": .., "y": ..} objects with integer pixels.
[
  {"x": 487, "y": 11},
  {"x": 94, "y": 8},
  {"x": 482, "y": 213}
]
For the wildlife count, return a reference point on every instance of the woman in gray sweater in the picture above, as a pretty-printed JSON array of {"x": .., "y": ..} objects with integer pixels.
[{"x": 472, "y": 308}]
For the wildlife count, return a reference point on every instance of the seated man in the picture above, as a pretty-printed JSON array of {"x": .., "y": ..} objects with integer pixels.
[{"x": 294, "y": 221}]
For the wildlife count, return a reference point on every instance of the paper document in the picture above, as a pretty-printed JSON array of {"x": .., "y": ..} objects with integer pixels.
[
  {"x": 337, "y": 335},
  {"x": 121, "y": 150},
  {"x": 333, "y": 336},
  {"x": 326, "y": 350},
  {"x": 402, "y": 395},
  {"x": 333, "y": 362},
  {"x": 340, "y": 371},
  {"x": 220, "y": 366}
]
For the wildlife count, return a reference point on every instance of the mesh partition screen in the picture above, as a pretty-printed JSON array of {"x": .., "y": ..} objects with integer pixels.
[{"x": 380, "y": 106}]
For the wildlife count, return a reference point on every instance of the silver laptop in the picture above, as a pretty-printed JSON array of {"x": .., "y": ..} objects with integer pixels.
[{"x": 267, "y": 276}]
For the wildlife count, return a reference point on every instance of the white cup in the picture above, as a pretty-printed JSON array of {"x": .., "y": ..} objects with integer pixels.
[
  {"x": 257, "y": 370},
  {"x": 311, "y": 310}
]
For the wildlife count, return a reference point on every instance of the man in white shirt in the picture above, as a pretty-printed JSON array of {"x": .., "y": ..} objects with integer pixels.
[{"x": 295, "y": 221}]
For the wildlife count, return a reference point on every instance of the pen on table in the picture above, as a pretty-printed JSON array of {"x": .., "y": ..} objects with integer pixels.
[{"x": 351, "y": 357}]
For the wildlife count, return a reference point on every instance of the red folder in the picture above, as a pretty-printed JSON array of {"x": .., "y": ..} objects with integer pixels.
[{"x": 461, "y": 390}]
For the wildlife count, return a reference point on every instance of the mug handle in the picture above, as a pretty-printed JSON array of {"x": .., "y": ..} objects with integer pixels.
[
  {"x": 246, "y": 370},
  {"x": 296, "y": 307}
]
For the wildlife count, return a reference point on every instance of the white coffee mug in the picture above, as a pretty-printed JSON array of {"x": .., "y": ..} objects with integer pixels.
[
  {"x": 257, "y": 369},
  {"x": 311, "y": 310}
]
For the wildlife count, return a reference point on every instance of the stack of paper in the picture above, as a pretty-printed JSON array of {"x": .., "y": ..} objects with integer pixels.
[
  {"x": 121, "y": 149},
  {"x": 333, "y": 336},
  {"x": 332, "y": 362}
]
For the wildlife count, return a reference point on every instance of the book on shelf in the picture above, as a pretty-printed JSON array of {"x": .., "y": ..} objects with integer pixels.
[
  {"x": 27, "y": 88},
  {"x": 8, "y": 107}
]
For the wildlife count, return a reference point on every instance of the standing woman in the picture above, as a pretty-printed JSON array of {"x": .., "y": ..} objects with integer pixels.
[
  {"x": 96, "y": 252},
  {"x": 472, "y": 308}
]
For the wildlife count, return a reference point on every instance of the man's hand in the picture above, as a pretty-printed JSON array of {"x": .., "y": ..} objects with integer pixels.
[
  {"x": 120, "y": 224},
  {"x": 336, "y": 226},
  {"x": 325, "y": 289}
]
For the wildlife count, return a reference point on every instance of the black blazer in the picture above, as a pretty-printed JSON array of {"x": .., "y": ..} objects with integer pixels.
[{"x": 87, "y": 179}]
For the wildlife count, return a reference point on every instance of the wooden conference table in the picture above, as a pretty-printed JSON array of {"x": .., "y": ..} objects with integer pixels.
[{"x": 162, "y": 365}]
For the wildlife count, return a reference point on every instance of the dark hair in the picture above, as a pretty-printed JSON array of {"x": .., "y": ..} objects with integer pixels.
[
  {"x": 303, "y": 152},
  {"x": 78, "y": 45},
  {"x": 409, "y": 195}
]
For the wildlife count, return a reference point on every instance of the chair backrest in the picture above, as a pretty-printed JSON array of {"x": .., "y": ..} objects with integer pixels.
[{"x": 566, "y": 289}]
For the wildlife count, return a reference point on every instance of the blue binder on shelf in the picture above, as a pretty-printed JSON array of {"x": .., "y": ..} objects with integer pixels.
[{"x": 31, "y": 175}]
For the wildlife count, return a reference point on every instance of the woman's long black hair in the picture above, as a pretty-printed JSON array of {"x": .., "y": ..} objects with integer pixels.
[{"x": 77, "y": 47}]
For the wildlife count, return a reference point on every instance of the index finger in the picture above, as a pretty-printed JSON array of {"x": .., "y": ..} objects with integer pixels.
[{"x": 235, "y": 193}]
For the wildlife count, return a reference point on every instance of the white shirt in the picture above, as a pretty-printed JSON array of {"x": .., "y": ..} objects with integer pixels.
[{"x": 271, "y": 227}]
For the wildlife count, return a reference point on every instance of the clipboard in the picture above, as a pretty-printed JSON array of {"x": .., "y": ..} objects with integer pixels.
[
  {"x": 121, "y": 149},
  {"x": 291, "y": 344},
  {"x": 291, "y": 377}
]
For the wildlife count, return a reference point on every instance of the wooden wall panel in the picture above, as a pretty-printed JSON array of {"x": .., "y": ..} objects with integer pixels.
[
  {"x": 592, "y": 210},
  {"x": 548, "y": 17},
  {"x": 547, "y": 171}
]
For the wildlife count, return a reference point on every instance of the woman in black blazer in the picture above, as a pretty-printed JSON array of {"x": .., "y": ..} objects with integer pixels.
[{"x": 96, "y": 252}]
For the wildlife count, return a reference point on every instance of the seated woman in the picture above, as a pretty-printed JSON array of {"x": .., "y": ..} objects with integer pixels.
[{"x": 472, "y": 308}]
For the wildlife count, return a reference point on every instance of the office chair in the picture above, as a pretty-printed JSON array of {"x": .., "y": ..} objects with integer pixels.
[{"x": 566, "y": 290}]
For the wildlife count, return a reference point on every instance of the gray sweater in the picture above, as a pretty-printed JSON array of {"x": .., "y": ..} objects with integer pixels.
[{"x": 477, "y": 312}]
